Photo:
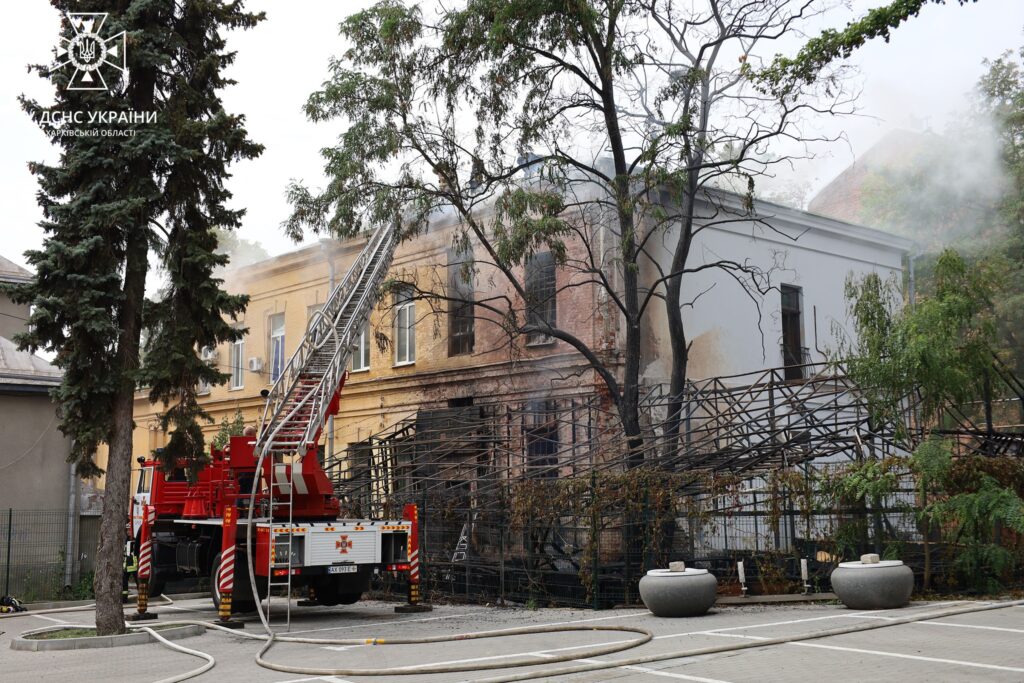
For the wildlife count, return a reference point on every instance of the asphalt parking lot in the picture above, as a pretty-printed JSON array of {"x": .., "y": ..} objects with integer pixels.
[{"x": 980, "y": 646}]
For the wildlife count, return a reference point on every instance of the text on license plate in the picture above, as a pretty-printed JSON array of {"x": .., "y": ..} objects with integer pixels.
[{"x": 343, "y": 569}]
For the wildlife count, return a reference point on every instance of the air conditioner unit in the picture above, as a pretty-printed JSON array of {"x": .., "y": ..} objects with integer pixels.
[
  {"x": 208, "y": 354},
  {"x": 255, "y": 364}
]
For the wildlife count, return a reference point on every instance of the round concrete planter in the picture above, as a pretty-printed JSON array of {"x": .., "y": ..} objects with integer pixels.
[
  {"x": 88, "y": 643},
  {"x": 687, "y": 593},
  {"x": 878, "y": 585}
]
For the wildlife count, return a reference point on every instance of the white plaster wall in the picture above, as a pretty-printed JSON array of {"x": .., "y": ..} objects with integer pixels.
[{"x": 807, "y": 251}]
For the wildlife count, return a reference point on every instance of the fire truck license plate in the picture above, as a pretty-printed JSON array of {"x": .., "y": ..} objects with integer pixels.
[{"x": 343, "y": 569}]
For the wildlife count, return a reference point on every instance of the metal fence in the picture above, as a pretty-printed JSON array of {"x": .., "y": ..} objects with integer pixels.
[
  {"x": 516, "y": 497},
  {"x": 38, "y": 558}
]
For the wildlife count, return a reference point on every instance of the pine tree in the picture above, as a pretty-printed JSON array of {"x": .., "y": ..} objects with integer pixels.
[{"x": 143, "y": 188}]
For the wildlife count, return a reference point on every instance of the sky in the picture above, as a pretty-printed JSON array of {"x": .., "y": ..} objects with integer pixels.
[{"x": 920, "y": 79}]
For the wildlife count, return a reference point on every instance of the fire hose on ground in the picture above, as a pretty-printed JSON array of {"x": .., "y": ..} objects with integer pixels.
[
  {"x": 547, "y": 672},
  {"x": 644, "y": 636}
]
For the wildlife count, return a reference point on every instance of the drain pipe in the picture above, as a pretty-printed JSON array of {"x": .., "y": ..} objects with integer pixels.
[{"x": 70, "y": 553}]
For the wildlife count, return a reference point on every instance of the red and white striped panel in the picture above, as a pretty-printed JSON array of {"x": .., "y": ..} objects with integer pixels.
[
  {"x": 414, "y": 565},
  {"x": 146, "y": 544},
  {"x": 226, "y": 572}
]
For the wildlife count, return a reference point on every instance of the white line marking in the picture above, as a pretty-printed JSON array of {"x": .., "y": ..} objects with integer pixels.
[
  {"x": 868, "y": 616},
  {"x": 733, "y": 635},
  {"x": 56, "y": 621},
  {"x": 920, "y": 658},
  {"x": 385, "y": 624},
  {"x": 669, "y": 674},
  {"x": 654, "y": 672},
  {"x": 984, "y": 628}
]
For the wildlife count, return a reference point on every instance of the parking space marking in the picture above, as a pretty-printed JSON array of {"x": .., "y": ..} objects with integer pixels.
[
  {"x": 733, "y": 635},
  {"x": 919, "y": 658},
  {"x": 978, "y": 626},
  {"x": 867, "y": 616},
  {"x": 56, "y": 621},
  {"x": 671, "y": 674},
  {"x": 388, "y": 623},
  {"x": 655, "y": 672}
]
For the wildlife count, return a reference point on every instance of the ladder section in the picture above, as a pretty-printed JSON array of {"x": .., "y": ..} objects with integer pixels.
[
  {"x": 298, "y": 404},
  {"x": 296, "y": 407}
]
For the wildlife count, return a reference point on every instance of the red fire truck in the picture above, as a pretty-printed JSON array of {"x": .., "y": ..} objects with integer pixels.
[{"x": 265, "y": 500}]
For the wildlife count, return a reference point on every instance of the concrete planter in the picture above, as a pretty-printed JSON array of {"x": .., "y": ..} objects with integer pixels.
[
  {"x": 686, "y": 593},
  {"x": 89, "y": 643},
  {"x": 873, "y": 584}
]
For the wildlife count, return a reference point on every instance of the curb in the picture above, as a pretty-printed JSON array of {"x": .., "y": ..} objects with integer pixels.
[{"x": 176, "y": 633}]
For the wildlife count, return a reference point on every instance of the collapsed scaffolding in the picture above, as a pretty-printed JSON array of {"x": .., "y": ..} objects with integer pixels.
[{"x": 534, "y": 501}]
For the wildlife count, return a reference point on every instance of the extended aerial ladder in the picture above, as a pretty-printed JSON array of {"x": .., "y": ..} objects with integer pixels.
[{"x": 305, "y": 395}]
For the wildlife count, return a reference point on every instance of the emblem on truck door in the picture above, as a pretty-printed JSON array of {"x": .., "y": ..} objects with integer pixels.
[{"x": 343, "y": 545}]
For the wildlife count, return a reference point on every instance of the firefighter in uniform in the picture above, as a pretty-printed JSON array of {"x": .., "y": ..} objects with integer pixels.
[{"x": 131, "y": 567}]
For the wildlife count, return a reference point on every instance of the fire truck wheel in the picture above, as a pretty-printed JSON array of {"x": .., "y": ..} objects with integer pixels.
[
  {"x": 241, "y": 601},
  {"x": 157, "y": 583}
]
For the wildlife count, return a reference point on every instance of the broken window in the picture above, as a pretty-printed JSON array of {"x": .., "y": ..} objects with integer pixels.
[
  {"x": 405, "y": 327},
  {"x": 541, "y": 307},
  {"x": 542, "y": 438},
  {"x": 794, "y": 355},
  {"x": 460, "y": 305}
]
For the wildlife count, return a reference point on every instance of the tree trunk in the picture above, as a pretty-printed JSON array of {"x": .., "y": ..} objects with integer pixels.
[
  {"x": 676, "y": 330},
  {"x": 112, "y": 536}
]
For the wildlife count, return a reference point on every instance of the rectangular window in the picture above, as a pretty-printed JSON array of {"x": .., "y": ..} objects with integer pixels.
[
  {"x": 405, "y": 327},
  {"x": 794, "y": 355},
  {"x": 276, "y": 327},
  {"x": 460, "y": 305},
  {"x": 238, "y": 363},
  {"x": 541, "y": 306},
  {"x": 361, "y": 352},
  {"x": 542, "y": 439}
]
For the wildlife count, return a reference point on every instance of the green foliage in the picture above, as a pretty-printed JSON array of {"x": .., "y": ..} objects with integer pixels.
[
  {"x": 228, "y": 428},
  {"x": 869, "y": 480},
  {"x": 969, "y": 519},
  {"x": 785, "y": 74},
  {"x": 942, "y": 346},
  {"x": 931, "y": 462}
]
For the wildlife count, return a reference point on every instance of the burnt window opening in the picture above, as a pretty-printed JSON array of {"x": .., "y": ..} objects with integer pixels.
[
  {"x": 541, "y": 303},
  {"x": 794, "y": 355},
  {"x": 461, "y": 328},
  {"x": 460, "y": 402},
  {"x": 542, "y": 439}
]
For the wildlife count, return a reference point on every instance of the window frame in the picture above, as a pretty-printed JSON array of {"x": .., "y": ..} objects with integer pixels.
[
  {"x": 275, "y": 372},
  {"x": 791, "y": 323},
  {"x": 237, "y": 363},
  {"x": 541, "y": 286},
  {"x": 461, "y": 318},
  {"x": 361, "y": 351},
  {"x": 405, "y": 310}
]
